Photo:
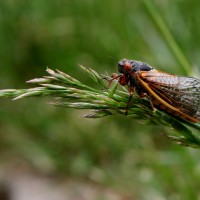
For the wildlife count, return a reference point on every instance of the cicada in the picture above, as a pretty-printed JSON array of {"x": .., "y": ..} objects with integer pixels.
[{"x": 176, "y": 95}]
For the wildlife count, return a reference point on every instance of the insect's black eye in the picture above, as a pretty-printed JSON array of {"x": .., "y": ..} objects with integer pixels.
[{"x": 121, "y": 66}]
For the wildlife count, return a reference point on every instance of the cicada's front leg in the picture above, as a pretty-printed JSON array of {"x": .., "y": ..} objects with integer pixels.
[
  {"x": 114, "y": 76},
  {"x": 131, "y": 91}
]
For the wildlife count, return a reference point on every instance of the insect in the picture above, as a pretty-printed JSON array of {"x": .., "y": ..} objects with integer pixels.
[{"x": 176, "y": 95}]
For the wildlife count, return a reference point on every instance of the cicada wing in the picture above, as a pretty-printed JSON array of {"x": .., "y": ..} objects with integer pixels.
[{"x": 181, "y": 92}]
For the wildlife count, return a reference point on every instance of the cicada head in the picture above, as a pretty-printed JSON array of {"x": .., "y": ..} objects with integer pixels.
[
  {"x": 125, "y": 66},
  {"x": 128, "y": 70}
]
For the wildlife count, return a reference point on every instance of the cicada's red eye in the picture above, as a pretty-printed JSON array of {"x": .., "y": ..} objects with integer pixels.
[
  {"x": 127, "y": 66},
  {"x": 124, "y": 66}
]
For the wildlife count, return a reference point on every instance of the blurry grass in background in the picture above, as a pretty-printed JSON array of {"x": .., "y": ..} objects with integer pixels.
[{"x": 113, "y": 152}]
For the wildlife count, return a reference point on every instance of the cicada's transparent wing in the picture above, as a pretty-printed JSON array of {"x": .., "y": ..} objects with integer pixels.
[{"x": 181, "y": 92}]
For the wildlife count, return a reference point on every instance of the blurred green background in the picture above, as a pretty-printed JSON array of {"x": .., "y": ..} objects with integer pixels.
[{"x": 130, "y": 158}]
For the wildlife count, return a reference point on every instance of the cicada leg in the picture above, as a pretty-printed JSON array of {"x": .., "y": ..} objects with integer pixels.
[
  {"x": 114, "y": 76},
  {"x": 143, "y": 94},
  {"x": 150, "y": 100},
  {"x": 131, "y": 91}
]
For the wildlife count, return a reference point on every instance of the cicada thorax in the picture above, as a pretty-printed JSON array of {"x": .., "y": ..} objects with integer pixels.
[{"x": 179, "y": 96}]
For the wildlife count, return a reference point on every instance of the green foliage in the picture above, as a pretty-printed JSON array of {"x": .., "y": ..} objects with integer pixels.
[{"x": 74, "y": 94}]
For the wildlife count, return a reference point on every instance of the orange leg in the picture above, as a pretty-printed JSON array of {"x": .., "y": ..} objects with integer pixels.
[
  {"x": 143, "y": 95},
  {"x": 130, "y": 90},
  {"x": 113, "y": 77}
]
